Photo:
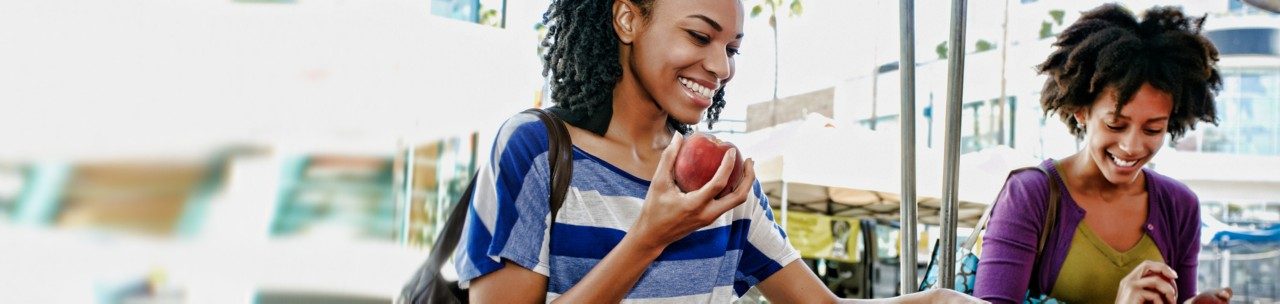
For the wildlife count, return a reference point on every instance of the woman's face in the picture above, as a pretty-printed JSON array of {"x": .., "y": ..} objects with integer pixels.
[
  {"x": 1121, "y": 143},
  {"x": 684, "y": 52}
]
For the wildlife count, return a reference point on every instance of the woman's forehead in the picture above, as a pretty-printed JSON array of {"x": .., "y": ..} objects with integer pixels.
[{"x": 726, "y": 13}]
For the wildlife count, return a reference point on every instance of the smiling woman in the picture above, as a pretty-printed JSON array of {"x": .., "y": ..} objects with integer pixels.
[
  {"x": 1126, "y": 234},
  {"x": 629, "y": 77}
]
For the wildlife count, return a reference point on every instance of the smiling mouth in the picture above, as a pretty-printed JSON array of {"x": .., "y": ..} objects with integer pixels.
[
  {"x": 705, "y": 92},
  {"x": 1123, "y": 163}
]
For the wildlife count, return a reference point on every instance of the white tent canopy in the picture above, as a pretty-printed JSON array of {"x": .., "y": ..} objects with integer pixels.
[{"x": 847, "y": 170}]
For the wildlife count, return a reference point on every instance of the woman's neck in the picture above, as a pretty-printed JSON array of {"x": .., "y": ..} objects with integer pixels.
[{"x": 637, "y": 122}]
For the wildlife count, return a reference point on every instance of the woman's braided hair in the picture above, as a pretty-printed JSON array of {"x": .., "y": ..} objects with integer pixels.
[
  {"x": 1109, "y": 47},
  {"x": 581, "y": 57}
]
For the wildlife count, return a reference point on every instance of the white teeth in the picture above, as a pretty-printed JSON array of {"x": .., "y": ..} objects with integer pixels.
[
  {"x": 694, "y": 86},
  {"x": 1123, "y": 163}
]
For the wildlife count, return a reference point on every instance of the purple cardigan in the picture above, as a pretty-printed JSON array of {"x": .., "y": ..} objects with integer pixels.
[{"x": 1009, "y": 244}]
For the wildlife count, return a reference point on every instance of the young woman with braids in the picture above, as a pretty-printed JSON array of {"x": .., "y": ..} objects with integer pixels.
[
  {"x": 629, "y": 77},
  {"x": 1123, "y": 234}
]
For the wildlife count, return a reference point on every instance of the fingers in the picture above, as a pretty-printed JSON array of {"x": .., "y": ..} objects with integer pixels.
[
  {"x": 1153, "y": 267},
  {"x": 1157, "y": 284},
  {"x": 667, "y": 162},
  {"x": 740, "y": 194},
  {"x": 1150, "y": 268},
  {"x": 718, "y": 181},
  {"x": 1151, "y": 281},
  {"x": 1225, "y": 294},
  {"x": 1149, "y": 296}
]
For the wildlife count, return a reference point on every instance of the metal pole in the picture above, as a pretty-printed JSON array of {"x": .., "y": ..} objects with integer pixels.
[
  {"x": 1224, "y": 262},
  {"x": 907, "y": 68},
  {"x": 951, "y": 173}
]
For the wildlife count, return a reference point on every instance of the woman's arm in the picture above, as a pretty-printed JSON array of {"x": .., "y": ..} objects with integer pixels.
[
  {"x": 668, "y": 215},
  {"x": 1189, "y": 238},
  {"x": 796, "y": 284},
  {"x": 609, "y": 281},
  {"x": 1009, "y": 245}
]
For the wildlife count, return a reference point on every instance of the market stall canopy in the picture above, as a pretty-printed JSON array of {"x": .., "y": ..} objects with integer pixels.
[{"x": 845, "y": 170}]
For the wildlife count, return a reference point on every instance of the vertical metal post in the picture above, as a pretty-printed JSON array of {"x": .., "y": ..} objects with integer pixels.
[
  {"x": 1224, "y": 262},
  {"x": 907, "y": 68},
  {"x": 951, "y": 173}
]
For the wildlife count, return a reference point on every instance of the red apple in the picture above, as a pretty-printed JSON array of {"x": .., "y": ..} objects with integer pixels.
[
  {"x": 1215, "y": 296},
  {"x": 699, "y": 159}
]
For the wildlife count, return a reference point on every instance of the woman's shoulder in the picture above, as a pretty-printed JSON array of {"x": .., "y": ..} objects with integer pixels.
[
  {"x": 524, "y": 132},
  {"x": 1032, "y": 178},
  {"x": 1172, "y": 190}
]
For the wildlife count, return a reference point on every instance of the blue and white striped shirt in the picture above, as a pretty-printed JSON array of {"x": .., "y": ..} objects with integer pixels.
[{"x": 509, "y": 215}]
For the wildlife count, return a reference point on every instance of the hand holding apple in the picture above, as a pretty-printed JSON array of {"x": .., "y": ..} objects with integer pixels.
[
  {"x": 1150, "y": 282},
  {"x": 669, "y": 214},
  {"x": 698, "y": 160}
]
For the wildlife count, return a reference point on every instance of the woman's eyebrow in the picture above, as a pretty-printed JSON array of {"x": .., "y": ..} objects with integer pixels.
[
  {"x": 708, "y": 20},
  {"x": 715, "y": 25}
]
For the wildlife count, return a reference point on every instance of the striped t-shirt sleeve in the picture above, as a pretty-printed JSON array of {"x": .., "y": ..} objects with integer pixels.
[
  {"x": 508, "y": 215},
  {"x": 767, "y": 249}
]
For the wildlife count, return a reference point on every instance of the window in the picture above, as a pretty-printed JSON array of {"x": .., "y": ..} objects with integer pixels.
[
  {"x": 986, "y": 124},
  {"x": 1249, "y": 116}
]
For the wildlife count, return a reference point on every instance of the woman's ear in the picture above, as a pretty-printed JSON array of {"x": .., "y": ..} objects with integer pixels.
[
  {"x": 1081, "y": 115},
  {"x": 625, "y": 20}
]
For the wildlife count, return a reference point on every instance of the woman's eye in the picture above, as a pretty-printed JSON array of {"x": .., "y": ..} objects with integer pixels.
[
  {"x": 1115, "y": 128},
  {"x": 733, "y": 52},
  {"x": 1153, "y": 132},
  {"x": 702, "y": 39}
]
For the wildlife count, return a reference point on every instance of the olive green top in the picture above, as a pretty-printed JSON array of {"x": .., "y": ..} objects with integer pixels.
[{"x": 1092, "y": 270}]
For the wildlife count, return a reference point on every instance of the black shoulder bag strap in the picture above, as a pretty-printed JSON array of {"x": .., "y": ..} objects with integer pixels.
[{"x": 427, "y": 285}]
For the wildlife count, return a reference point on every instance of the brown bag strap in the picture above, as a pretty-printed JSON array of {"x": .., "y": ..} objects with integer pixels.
[
  {"x": 560, "y": 158},
  {"x": 1051, "y": 216},
  {"x": 559, "y": 155}
]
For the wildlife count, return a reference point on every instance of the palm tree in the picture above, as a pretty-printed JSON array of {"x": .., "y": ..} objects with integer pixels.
[{"x": 795, "y": 9}]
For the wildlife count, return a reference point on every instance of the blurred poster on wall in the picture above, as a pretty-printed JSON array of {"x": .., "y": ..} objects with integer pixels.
[{"x": 440, "y": 172}]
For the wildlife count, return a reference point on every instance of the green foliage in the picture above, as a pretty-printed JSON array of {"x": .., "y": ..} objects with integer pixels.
[
  {"x": 796, "y": 8},
  {"x": 1046, "y": 30},
  {"x": 942, "y": 50},
  {"x": 984, "y": 45},
  {"x": 1057, "y": 16},
  {"x": 490, "y": 17}
]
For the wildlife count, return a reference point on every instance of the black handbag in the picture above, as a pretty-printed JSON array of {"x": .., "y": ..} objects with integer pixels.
[{"x": 427, "y": 285}]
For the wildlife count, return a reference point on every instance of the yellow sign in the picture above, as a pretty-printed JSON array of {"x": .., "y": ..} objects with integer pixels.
[{"x": 823, "y": 237}]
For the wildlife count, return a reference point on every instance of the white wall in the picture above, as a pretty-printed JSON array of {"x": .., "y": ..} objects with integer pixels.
[{"x": 139, "y": 77}]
